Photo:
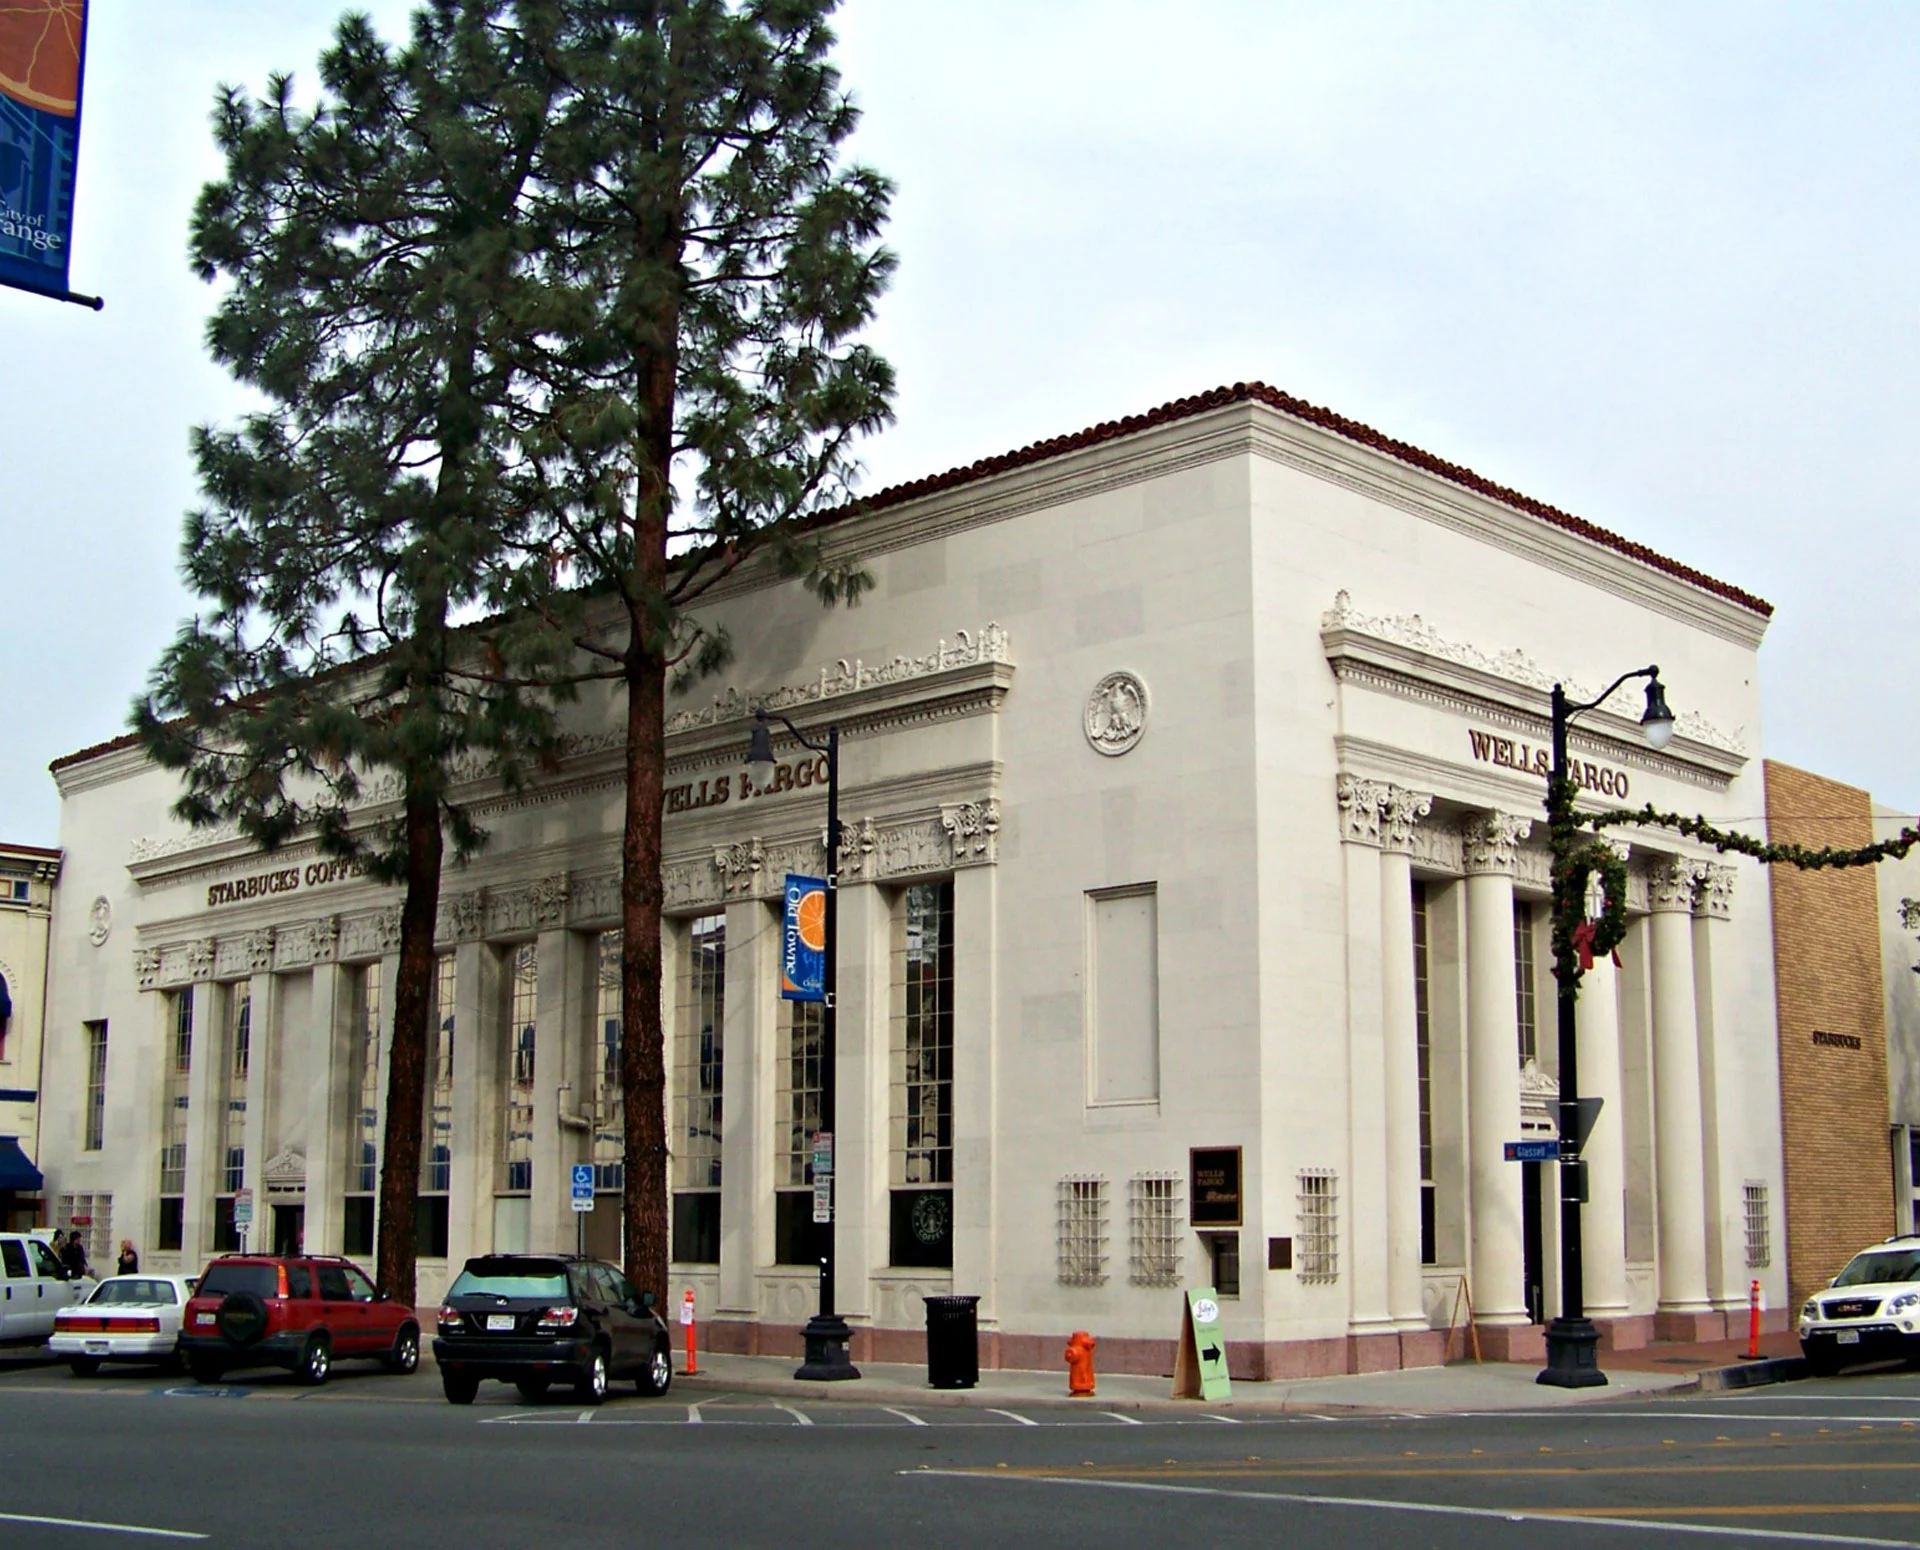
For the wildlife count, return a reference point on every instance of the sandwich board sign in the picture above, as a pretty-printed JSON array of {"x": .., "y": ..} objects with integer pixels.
[{"x": 1200, "y": 1366}]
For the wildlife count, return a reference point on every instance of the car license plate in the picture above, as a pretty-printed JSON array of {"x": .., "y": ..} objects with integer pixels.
[
  {"x": 1847, "y": 1337},
  {"x": 97, "y": 1347},
  {"x": 203, "y": 1318},
  {"x": 500, "y": 1322}
]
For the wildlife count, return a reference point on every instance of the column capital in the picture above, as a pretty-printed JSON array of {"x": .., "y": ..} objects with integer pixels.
[
  {"x": 1360, "y": 804},
  {"x": 1399, "y": 813},
  {"x": 1670, "y": 885},
  {"x": 1713, "y": 890},
  {"x": 1490, "y": 839}
]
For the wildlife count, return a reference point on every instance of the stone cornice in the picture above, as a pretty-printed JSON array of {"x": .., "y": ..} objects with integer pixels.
[
  {"x": 966, "y": 675},
  {"x": 1247, "y": 427},
  {"x": 1408, "y": 658}
]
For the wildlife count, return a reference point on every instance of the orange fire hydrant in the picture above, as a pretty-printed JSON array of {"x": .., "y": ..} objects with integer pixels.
[{"x": 1079, "y": 1359}]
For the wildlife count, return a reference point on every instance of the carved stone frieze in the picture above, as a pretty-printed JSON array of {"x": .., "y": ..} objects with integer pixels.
[
  {"x": 146, "y": 967},
  {"x": 200, "y": 957},
  {"x": 1910, "y": 914},
  {"x": 973, "y": 827},
  {"x": 1437, "y": 847},
  {"x": 1360, "y": 802},
  {"x": 293, "y": 945},
  {"x": 372, "y": 934},
  {"x": 1670, "y": 885},
  {"x": 859, "y": 844},
  {"x": 687, "y": 885},
  {"x": 1533, "y": 868},
  {"x": 539, "y": 905},
  {"x": 1400, "y": 814},
  {"x": 100, "y": 920},
  {"x": 1713, "y": 890},
  {"x": 849, "y": 677},
  {"x": 1489, "y": 841},
  {"x": 463, "y": 916}
]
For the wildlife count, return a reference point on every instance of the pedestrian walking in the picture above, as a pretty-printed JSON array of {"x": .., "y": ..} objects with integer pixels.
[
  {"x": 74, "y": 1256},
  {"x": 129, "y": 1261}
]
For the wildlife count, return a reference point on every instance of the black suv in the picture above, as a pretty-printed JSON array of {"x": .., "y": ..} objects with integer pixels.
[{"x": 529, "y": 1319}]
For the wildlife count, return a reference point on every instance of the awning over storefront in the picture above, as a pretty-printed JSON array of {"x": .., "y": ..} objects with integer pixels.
[{"x": 16, "y": 1173}]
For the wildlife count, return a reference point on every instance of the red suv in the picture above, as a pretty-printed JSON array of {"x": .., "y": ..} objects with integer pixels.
[{"x": 301, "y": 1313}]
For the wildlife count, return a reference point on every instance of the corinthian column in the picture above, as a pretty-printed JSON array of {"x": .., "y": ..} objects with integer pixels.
[
  {"x": 1369, "y": 1312},
  {"x": 1604, "y": 1228},
  {"x": 1493, "y": 1076},
  {"x": 1679, "y": 1160},
  {"x": 1401, "y": 810},
  {"x": 1716, "y": 967}
]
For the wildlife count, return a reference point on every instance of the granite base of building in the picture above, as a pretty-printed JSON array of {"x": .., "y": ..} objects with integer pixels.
[{"x": 1272, "y": 1361}]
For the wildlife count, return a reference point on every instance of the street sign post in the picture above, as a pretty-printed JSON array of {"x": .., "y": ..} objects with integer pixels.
[{"x": 823, "y": 1175}]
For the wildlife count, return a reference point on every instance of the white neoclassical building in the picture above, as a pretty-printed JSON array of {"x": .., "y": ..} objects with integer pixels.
[{"x": 1193, "y": 932}]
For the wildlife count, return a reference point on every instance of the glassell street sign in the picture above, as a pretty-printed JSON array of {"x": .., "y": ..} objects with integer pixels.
[{"x": 1532, "y": 1151}]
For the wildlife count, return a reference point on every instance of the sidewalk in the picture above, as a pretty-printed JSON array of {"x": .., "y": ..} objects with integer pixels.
[{"x": 1463, "y": 1386}]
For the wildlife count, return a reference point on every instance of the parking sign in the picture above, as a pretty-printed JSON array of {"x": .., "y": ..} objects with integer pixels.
[{"x": 583, "y": 1186}]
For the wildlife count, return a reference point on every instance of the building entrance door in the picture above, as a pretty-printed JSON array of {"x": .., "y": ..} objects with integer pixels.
[
  {"x": 289, "y": 1229},
  {"x": 1533, "y": 1241}
]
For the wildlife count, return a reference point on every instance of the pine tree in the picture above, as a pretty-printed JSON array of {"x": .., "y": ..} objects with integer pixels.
[
  {"x": 376, "y": 254},
  {"x": 710, "y": 262}
]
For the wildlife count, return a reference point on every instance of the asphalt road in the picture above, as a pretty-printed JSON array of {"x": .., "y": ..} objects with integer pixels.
[{"x": 133, "y": 1457}]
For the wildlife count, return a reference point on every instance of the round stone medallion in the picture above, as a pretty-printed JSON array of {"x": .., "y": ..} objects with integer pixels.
[{"x": 1116, "y": 713}]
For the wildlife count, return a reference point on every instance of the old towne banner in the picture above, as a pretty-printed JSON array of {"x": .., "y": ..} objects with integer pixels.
[{"x": 42, "y": 43}]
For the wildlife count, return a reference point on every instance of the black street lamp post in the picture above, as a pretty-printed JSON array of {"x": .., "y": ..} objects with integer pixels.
[
  {"x": 1572, "y": 1341},
  {"x": 826, "y": 1334}
]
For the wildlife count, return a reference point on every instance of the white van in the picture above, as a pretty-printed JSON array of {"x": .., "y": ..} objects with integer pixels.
[{"x": 33, "y": 1287}]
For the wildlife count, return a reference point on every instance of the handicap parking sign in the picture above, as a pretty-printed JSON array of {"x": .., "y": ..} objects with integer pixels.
[{"x": 583, "y": 1186}]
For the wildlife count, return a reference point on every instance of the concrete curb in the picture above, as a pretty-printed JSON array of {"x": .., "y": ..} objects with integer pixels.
[{"x": 1747, "y": 1375}]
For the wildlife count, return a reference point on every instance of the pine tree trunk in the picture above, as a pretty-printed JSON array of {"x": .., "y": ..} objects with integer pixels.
[
  {"x": 643, "y": 1069},
  {"x": 407, "y": 1055}
]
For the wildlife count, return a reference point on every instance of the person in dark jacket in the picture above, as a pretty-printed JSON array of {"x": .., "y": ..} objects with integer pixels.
[
  {"x": 74, "y": 1256},
  {"x": 129, "y": 1260}
]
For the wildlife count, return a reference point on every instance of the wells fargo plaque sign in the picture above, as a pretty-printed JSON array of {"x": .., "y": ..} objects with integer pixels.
[{"x": 1215, "y": 1172}]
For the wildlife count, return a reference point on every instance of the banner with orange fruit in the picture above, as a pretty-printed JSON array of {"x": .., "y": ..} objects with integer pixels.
[
  {"x": 803, "y": 948},
  {"x": 42, "y": 45}
]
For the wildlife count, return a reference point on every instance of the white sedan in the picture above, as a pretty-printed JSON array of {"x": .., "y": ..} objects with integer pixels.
[{"x": 127, "y": 1319}]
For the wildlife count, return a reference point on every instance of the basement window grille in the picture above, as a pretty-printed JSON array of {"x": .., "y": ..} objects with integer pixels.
[
  {"x": 1154, "y": 1229},
  {"x": 1759, "y": 1242},
  {"x": 1083, "y": 1231},
  {"x": 1317, "y": 1245}
]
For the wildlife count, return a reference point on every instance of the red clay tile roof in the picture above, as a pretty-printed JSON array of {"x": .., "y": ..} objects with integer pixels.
[
  {"x": 1200, "y": 403},
  {"x": 1326, "y": 419}
]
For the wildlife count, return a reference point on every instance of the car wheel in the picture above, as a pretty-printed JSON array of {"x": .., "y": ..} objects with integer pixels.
[
  {"x": 316, "y": 1361},
  {"x": 84, "y": 1366},
  {"x": 405, "y": 1355},
  {"x": 459, "y": 1388},
  {"x": 532, "y": 1388},
  {"x": 592, "y": 1387},
  {"x": 657, "y": 1376},
  {"x": 204, "y": 1369}
]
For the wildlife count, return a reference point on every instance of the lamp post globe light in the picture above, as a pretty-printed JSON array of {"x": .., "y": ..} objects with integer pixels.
[
  {"x": 826, "y": 1334},
  {"x": 1572, "y": 1341}
]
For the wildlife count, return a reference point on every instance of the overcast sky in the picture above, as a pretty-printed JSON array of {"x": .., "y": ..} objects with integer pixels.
[{"x": 1655, "y": 264}]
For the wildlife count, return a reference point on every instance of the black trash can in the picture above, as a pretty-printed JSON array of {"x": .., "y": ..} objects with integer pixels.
[{"x": 953, "y": 1342}]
